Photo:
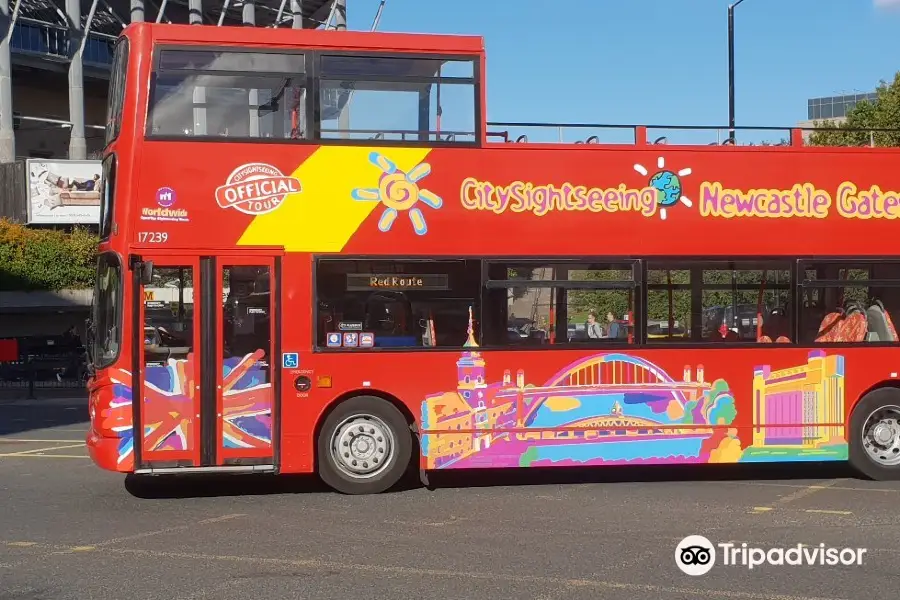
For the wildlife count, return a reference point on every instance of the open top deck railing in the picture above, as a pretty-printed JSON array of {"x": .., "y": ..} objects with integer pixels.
[{"x": 642, "y": 135}]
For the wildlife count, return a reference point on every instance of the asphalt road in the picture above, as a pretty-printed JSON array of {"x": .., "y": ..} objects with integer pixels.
[{"x": 69, "y": 530}]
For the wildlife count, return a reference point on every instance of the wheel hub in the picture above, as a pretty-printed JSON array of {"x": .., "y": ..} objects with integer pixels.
[
  {"x": 881, "y": 436},
  {"x": 362, "y": 446},
  {"x": 883, "y": 433}
]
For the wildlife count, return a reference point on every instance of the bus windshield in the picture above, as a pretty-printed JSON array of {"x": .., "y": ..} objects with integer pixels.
[{"x": 107, "y": 311}]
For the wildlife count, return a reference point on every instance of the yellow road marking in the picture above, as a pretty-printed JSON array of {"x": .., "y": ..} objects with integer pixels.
[
  {"x": 31, "y": 441},
  {"x": 761, "y": 509},
  {"x": 44, "y": 456},
  {"x": 146, "y": 534},
  {"x": 828, "y": 512},
  {"x": 831, "y": 487},
  {"x": 803, "y": 492},
  {"x": 378, "y": 569},
  {"x": 37, "y": 450}
]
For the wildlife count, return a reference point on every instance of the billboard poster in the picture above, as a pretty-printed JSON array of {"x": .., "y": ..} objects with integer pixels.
[{"x": 64, "y": 192}]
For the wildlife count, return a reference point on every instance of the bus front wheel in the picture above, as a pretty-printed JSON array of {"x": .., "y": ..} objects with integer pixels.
[
  {"x": 364, "y": 446},
  {"x": 875, "y": 435}
]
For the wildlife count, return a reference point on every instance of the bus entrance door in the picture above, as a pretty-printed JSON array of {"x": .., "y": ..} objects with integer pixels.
[
  {"x": 171, "y": 352},
  {"x": 206, "y": 393},
  {"x": 247, "y": 410}
]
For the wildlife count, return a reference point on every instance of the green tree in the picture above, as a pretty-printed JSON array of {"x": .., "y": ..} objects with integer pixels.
[
  {"x": 669, "y": 292},
  {"x": 781, "y": 142},
  {"x": 581, "y": 302},
  {"x": 659, "y": 299},
  {"x": 883, "y": 113},
  {"x": 525, "y": 274}
]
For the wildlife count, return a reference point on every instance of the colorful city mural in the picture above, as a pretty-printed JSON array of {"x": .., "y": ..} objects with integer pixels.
[
  {"x": 613, "y": 408},
  {"x": 798, "y": 413},
  {"x": 169, "y": 406}
]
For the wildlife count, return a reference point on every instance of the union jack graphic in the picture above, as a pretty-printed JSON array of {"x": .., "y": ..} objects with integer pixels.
[
  {"x": 247, "y": 400},
  {"x": 168, "y": 410}
]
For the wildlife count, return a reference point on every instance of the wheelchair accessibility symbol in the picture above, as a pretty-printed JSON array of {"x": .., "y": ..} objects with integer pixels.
[{"x": 290, "y": 360}]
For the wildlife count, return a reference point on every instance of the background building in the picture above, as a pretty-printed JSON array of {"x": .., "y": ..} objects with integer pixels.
[
  {"x": 835, "y": 108},
  {"x": 55, "y": 60},
  {"x": 55, "y": 64},
  {"x": 831, "y": 109}
]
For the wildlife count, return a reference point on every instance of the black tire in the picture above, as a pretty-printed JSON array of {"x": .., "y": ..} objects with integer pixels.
[
  {"x": 143, "y": 486},
  {"x": 385, "y": 475},
  {"x": 859, "y": 458}
]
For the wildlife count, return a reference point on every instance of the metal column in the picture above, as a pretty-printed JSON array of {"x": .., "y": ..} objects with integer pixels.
[
  {"x": 7, "y": 134},
  {"x": 137, "y": 11},
  {"x": 195, "y": 12},
  {"x": 198, "y": 126},
  {"x": 77, "y": 143},
  {"x": 249, "y": 19},
  {"x": 300, "y": 108},
  {"x": 340, "y": 15},
  {"x": 297, "y": 12},
  {"x": 248, "y": 13},
  {"x": 731, "y": 126},
  {"x": 340, "y": 24}
]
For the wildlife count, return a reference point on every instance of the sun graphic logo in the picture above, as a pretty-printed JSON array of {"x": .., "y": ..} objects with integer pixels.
[
  {"x": 399, "y": 192},
  {"x": 668, "y": 185}
]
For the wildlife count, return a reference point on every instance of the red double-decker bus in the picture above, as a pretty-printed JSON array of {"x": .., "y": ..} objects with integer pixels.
[{"x": 317, "y": 256}]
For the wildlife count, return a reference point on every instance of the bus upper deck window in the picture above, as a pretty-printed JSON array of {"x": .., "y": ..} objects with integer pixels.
[
  {"x": 425, "y": 99},
  {"x": 228, "y": 93}
]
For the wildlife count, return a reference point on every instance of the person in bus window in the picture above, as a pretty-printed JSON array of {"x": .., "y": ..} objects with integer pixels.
[
  {"x": 612, "y": 331},
  {"x": 594, "y": 331}
]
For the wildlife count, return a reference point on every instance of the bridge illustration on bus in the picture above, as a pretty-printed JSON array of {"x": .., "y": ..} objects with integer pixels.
[{"x": 615, "y": 408}]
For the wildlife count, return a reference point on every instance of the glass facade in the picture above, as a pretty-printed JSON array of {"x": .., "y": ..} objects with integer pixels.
[
  {"x": 42, "y": 40},
  {"x": 834, "y": 107}
]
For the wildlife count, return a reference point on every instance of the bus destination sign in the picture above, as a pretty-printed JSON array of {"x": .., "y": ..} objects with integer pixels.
[{"x": 373, "y": 281}]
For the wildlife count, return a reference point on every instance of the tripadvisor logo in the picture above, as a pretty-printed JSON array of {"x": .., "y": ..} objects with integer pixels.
[{"x": 696, "y": 555}]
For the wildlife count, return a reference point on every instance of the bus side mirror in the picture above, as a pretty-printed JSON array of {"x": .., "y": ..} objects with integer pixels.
[{"x": 146, "y": 272}]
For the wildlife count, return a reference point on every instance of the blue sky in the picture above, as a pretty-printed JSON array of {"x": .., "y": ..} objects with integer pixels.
[{"x": 660, "y": 61}]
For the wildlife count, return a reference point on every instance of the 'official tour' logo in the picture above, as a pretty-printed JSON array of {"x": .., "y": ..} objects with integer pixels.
[{"x": 256, "y": 189}]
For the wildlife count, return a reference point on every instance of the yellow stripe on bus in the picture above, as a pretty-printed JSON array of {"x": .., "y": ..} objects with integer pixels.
[{"x": 323, "y": 216}]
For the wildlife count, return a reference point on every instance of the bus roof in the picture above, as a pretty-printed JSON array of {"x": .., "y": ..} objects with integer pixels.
[{"x": 310, "y": 38}]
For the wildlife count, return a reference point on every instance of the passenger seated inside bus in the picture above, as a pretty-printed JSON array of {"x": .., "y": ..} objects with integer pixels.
[{"x": 776, "y": 327}]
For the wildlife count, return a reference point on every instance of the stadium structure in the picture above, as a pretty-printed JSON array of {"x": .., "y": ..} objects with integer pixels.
[
  {"x": 55, "y": 62},
  {"x": 55, "y": 58}
]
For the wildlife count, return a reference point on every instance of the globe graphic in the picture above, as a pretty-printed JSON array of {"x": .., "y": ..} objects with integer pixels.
[{"x": 669, "y": 187}]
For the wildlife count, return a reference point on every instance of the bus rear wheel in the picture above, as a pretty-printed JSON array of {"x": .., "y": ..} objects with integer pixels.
[
  {"x": 875, "y": 435},
  {"x": 364, "y": 446}
]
